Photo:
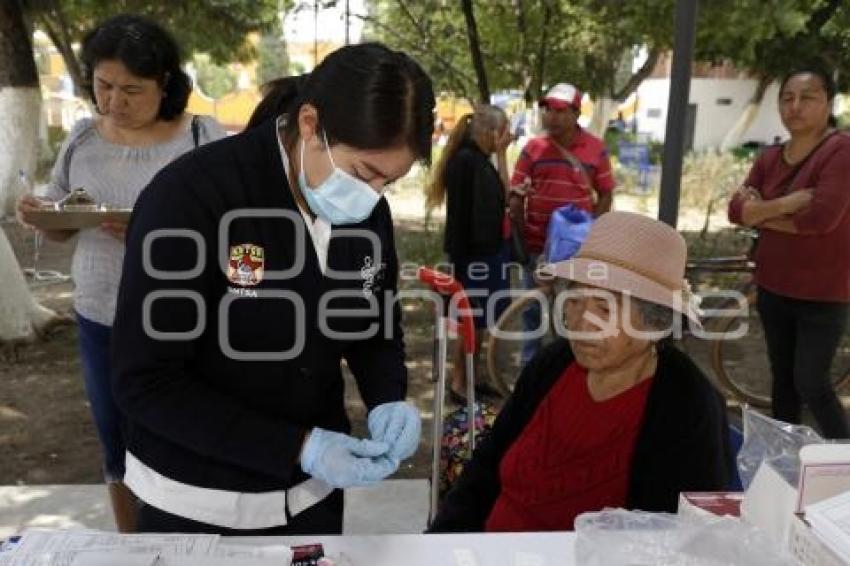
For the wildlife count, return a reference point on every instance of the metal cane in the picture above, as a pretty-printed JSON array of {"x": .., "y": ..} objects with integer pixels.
[{"x": 447, "y": 286}]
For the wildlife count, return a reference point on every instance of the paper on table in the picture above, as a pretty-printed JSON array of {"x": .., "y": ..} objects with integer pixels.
[
  {"x": 113, "y": 557},
  {"x": 237, "y": 555},
  {"x": 279, "y": 552},
  {"x": 128, "y": 557},
  {"x": 220, "y": 561},
  {"x": 528, "y": 559},
  {"x": 44, "y": 540},
  {"x": 110, "y": 557},
  {"x": 44, "y": 547},
  {"x": 464, "y": 557}
]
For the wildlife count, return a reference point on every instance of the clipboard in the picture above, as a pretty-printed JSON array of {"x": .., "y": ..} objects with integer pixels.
[{"x": 51, "y": 219}]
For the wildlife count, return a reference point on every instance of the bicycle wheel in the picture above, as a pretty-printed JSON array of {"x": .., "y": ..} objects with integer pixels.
[
  {"x": 742, "y": 365},
  {"x": 841, "y": 364},
  {"x": 505, "y": 340}
]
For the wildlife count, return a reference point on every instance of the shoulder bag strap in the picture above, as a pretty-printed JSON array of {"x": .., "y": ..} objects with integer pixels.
[
  {"x": 799, "y": 167},
  {"x": 574, "y": 161},
  {"x": 196, "y": 131}
]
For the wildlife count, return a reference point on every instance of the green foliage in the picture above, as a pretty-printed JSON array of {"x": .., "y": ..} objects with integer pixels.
[
  {"x": 771, "y": 37},
  {"x": 216, "y": 27},
  {"x": 272, "y": 60},
  {"x": 422, "y": 246},
  {"x": 656, "y": 152},
  {"x": 431, "y": 30},
  {"x": 55, "y": 137},
  {"x": 526, "y": 45},
  {"x": 734, "y": 29},
  {"x": 297, "y": 68},
  {"x": 214, "y": 80},
  {"x": 48, "y": 152},
  {"x": 533, "y": 44},
  {"x": 746, "y": 152},
  {"x": 844, "y": 119},
  {"x": 612, "y": 139}
]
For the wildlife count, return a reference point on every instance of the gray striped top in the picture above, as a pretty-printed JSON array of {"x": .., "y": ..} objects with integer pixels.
[{"x": 114, "y": 175}]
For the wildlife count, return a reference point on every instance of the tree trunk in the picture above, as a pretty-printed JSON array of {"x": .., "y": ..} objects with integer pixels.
[
  {"x": 20, "y": 103},
  {"x": 603, "y": 107},
  {"x": 475, "y": 51},
  {"x": 748, "y": 115},
  {"x": 57, "y": 30},
  {"x": 543, "y": 47},
  {"x": 20, "y": 108},
  {"x": 638, "y": 77},
  {"x": 21, "y": 317}
]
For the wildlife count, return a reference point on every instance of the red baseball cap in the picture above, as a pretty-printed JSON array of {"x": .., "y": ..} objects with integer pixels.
[{"x": 562, "y": 96}]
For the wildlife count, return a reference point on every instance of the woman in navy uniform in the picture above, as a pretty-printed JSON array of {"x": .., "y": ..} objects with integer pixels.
[{"x": 253, "y": 268}]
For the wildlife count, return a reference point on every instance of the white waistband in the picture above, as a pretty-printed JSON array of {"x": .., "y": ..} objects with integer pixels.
[{"x": 230, "y": 509}]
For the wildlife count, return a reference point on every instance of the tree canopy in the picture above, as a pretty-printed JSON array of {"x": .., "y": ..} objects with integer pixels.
[
  {"x": 529, "y": 44},
  {"x": 771, "y": 37},
  {"x": 215, "y": 27}
]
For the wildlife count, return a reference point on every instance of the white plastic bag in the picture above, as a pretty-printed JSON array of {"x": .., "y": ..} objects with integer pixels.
[
  {"x": 617, "y": 537},
  {"x": 776, "y": 442}
]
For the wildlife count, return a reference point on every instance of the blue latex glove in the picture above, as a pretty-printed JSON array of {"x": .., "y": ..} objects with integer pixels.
[
  {"x": 343, "y": 461},
  {"x": 399, "y": 425}
]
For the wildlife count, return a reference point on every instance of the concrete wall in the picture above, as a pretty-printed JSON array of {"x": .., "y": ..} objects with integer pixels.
[{"x": 713, "y": 120}]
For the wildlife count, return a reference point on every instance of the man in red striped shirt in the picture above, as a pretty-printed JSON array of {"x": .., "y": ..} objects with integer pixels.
[{"x": 567, "y": 165}]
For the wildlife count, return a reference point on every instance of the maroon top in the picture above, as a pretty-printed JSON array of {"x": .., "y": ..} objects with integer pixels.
[
  {"x": 814, "y": 264},
  {"x": 573, "y": 456}
]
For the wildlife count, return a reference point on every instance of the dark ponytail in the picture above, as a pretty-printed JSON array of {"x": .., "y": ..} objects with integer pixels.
[
  {"x": 435, "y": 192},
  {"x": 368, "y": 97},
  {"x": 278, "y": 95}
]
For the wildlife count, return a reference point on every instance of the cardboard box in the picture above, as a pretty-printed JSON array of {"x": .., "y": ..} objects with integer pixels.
[
  {"x": 807, "y": 548},
  {"x": 770, "y": 504},
  {"x": 824, "y": 473},
  {"x": 701, "y": 503}
]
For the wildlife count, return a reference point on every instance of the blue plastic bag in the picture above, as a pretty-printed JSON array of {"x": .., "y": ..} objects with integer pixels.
[{"x": 568, "y": 228}]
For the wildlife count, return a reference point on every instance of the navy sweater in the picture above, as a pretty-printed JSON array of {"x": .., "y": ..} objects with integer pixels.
[{"x": 229, "y": 407}]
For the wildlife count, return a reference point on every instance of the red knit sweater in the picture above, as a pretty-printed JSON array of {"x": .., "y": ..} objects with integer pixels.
[
  {"x": 555, "y": 183},
  {"x": 814, "y": 264},
  {"x": 574, "y": 456}
]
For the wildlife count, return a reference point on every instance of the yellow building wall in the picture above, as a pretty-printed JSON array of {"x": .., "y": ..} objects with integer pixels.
[
  {"x": 233, "y": 110},
  {"x": 450, "y": 109},
  {"x": 200, "y": 103}
]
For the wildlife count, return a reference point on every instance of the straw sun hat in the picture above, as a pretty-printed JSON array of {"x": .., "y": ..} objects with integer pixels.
[{"x": 635, "y": 255}]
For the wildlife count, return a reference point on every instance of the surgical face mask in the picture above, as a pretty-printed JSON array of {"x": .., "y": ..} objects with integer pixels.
[{"x": 341, "y": 198}]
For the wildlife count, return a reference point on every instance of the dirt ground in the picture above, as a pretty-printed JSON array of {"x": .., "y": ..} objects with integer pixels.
[{"x": 46, "y": 434}]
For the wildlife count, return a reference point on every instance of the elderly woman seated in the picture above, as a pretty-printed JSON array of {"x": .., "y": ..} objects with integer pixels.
[{"x": 612, "y": 416}]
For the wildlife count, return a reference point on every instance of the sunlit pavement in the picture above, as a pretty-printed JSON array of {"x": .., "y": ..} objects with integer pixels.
[{"x": 392, "y": 507}]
